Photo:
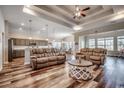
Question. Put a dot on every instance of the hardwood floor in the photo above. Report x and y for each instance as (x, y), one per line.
(17, 75)
(113, 76)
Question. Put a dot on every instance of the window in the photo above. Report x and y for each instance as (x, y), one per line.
(120, 40)
(101, 43)
(91, 43)
(56, 45)
(67, 45)
(109, 43)
(105, 43)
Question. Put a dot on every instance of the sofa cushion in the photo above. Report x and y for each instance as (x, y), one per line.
(34, 51)
(42, 65)
(90, 49)
(42, 55)
(52, 58)
(97, 58)
(40, 51)
(99, 50)
(33, 60)
(48, 50)
(37, 55)
(42, 60)
(46, 54)
(60, 57)
(51, 54)
(90, 53)
(52, 63)
(57, 54)
(83, 49)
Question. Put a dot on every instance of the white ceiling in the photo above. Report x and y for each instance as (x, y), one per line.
(59, 19)
(15, 16)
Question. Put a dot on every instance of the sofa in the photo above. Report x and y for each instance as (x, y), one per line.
(44, 57)
(95, 55)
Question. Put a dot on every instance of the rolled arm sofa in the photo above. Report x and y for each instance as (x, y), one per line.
(95, 55)
(43, 57)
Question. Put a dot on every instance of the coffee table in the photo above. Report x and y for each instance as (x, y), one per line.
(79, 69)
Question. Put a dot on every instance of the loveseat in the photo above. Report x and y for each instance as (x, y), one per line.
(44, 57)
(95, 55)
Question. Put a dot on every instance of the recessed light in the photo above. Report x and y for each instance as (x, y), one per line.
(20, 28)
(47, 39)
(22, 24)
(30, 38)
(53, 40)
(77, 28)
(43, 28)
(28, 5)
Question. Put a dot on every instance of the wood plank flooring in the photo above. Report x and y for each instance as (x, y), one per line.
(17, 75)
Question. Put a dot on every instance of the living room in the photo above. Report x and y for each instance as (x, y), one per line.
(79, 46)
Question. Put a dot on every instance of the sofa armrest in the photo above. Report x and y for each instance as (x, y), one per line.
(33, 62)
(62, 54)
(33, 57)
(78, 53)
(102, 59)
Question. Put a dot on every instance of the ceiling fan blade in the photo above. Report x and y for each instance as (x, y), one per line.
(85, 9)
(83, 14)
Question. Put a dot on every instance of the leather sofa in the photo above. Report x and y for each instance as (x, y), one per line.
(43, 57)
(95, 55)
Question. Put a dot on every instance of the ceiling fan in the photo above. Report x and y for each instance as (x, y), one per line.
(80, 12)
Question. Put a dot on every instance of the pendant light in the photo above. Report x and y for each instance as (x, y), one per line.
(47, 33)
(30, 29)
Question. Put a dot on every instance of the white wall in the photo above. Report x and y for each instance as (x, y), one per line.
(23, 34)
(81, 42)
(1, 43)
(6, 42)
(69, 38)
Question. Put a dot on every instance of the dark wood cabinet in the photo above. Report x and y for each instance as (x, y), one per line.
(18, 53)
(15, 53)
(26, 42)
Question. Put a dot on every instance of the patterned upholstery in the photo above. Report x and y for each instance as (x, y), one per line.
(42, 57)
(95, 55)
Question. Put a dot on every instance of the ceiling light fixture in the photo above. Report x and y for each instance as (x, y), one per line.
(30, 29)
(47, 32)
(22, 24)
(78, 13)
(77, 28)
(43, 29)
(20, 28)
